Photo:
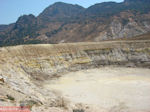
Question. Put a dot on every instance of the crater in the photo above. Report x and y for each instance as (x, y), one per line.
(106, 88)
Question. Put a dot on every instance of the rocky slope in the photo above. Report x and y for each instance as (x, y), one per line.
(25, 69)
(63, 22)
(69, 57)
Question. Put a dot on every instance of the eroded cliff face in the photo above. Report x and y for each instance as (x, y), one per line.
(53, 59)
(120, 27)
(27, 68)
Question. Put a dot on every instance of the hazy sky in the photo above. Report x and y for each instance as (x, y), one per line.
(10, 10)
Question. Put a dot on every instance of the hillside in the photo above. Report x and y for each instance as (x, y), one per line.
(62, 22)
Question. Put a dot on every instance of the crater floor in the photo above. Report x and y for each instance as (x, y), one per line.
(108, 88)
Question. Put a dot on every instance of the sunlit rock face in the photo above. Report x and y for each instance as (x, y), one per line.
(33, 74)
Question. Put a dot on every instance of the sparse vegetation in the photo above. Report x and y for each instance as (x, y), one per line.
(2, 99)
(10, 97)
(60, 102)
(28, 103)
(78, 110)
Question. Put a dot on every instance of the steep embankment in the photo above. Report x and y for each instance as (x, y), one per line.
(60, 58)
(26, 68)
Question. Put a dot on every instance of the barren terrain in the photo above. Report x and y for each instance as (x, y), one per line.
(110, 76)
(106, 88)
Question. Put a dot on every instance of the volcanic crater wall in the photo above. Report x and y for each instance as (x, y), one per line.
(54, 60)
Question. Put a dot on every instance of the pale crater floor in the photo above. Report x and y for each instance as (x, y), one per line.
(106, 87)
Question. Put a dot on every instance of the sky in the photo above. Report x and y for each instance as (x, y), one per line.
(10, 10)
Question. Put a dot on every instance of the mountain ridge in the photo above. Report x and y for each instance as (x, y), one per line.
(62, 22)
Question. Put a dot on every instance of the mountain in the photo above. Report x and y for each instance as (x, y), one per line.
(3, 27)
(60, 11)
(62, 22)
(112, 8)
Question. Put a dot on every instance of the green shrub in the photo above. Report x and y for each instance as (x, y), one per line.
(78, 110)
(10, 98)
